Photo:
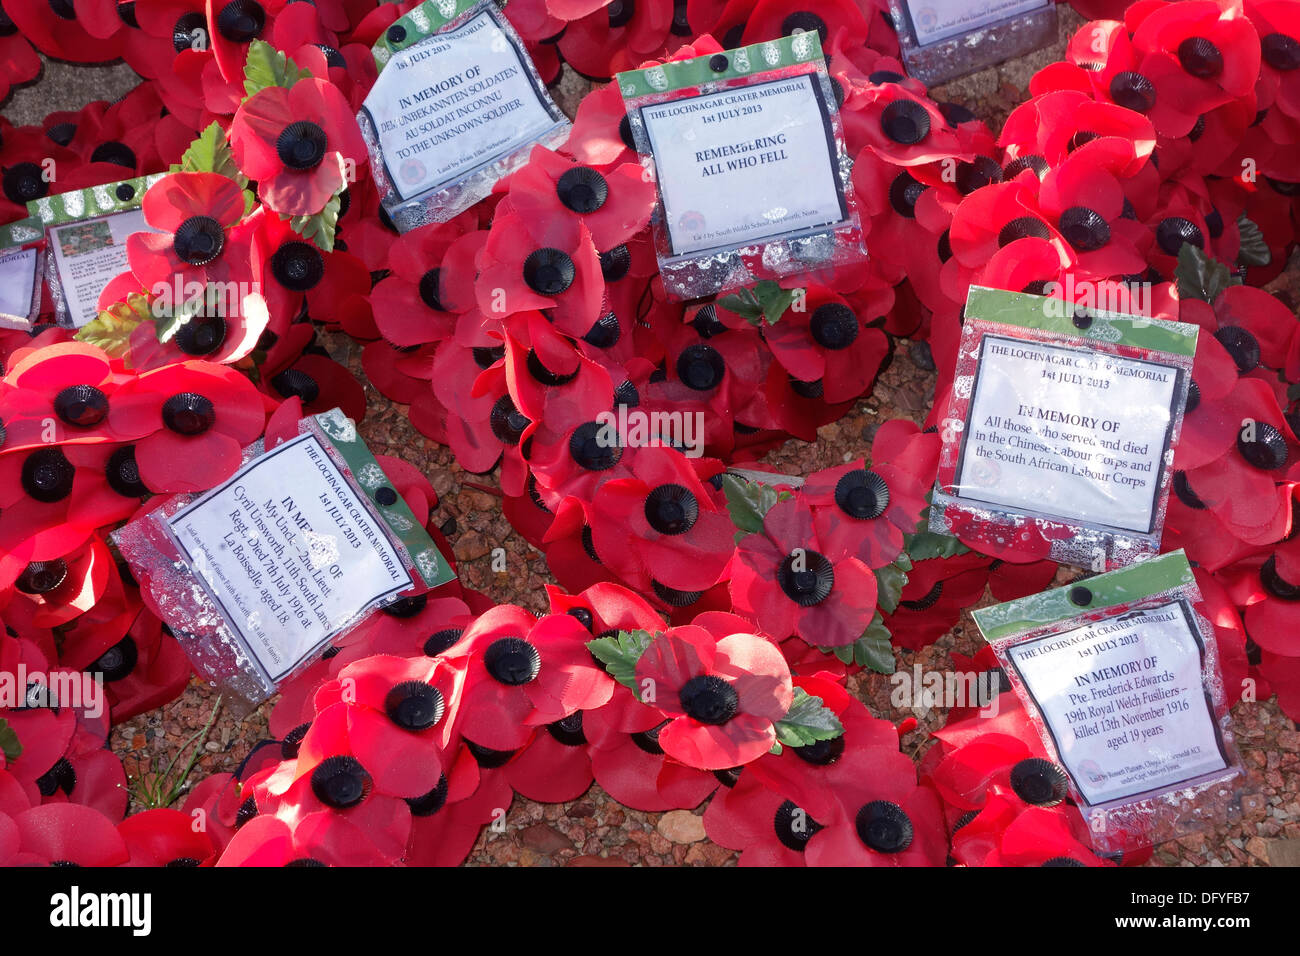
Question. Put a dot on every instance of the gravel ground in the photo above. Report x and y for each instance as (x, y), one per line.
(595, 830)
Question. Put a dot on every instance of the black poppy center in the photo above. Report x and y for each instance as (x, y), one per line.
(82, 406)
(884, 827)
(1241, 345)
(905, 122)
(340, 782)
(42, 577)
(506, 421)
(430, 803)
(701, 367)
(241, 21)
(804, 21)
(414, 705)
(1200, 57)
(806, 577)
(709, 699)
(549, 271)
(123, 473)
(1133, 91)
(862, 494)
(821, 753)
(301, 145)
(620, 13)
(904, 191)
(23, 182)
(568, 730)
(201, 336)
(406, 606)
(671, 509)
(1023, 227)
(441, 641)
(595, 447)
(1262, 446)
(1032, 161)
(47, 475)
(582, 189)
(1275, 584)
(189, 413)
(298, 266)
(199, 240)
(834, 326)
(1084, 228)
(1039, 782)
(793, 826)
(512, 661)
(293, 381)
(63, 9)
(1174, 231)
(1281, 52)
(118, 661)
(615, 263)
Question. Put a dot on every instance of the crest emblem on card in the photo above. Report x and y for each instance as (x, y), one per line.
(371, 475)
(802, 46)
(421, 19)
(427, 562)
(1104, 332)
(447, 8)
(74, 203)
(412, 171)
(962, 385)
(337, 426)
(740, 60)
(771, 53)
(657, 78)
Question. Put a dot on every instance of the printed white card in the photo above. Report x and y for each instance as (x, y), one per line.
(289, 553)
(744, 164)
(18, 271)
(90, 253)
(453, 103)
(1067, 433)
(1124, 701)
(935, 20)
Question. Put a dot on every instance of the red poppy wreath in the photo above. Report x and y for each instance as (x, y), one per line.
(712, 619)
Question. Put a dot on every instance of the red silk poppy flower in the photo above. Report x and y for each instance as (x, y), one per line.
(1086, 204)
(86, 32)
(866, 511)
(882, 818)
(827, 342)
(58, 394)
(790, 583)
(722, 696)
(63, 834)
(523, 672)
(629, 763)
(429, 282)
(320, 838)
(299, 144)
(445, 823)
(552, 195)
(389, 729)
(1054, 125)
(937, 591)
(166, 837)
(601, 135)
(189, 422)
(554, 767)
(195, 242)
(19, 62)
(519, 274)
(684, 539)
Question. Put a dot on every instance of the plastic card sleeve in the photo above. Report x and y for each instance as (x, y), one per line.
(1119, 674)
(85, 242)
(944, 39)
(747, 151)
(1059, 435)
(259, 575)
(458, 106)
